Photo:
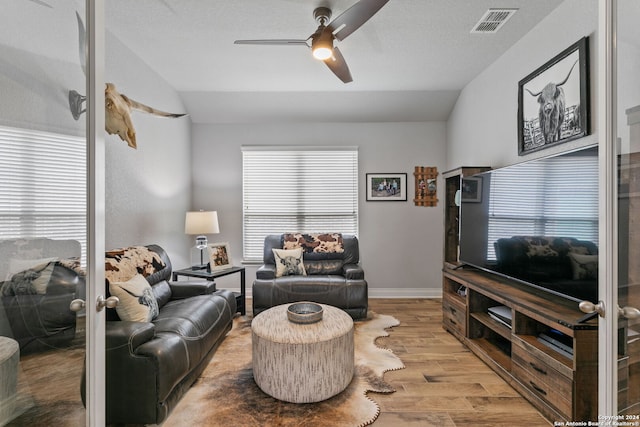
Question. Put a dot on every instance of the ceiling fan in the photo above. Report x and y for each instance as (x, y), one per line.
(322, 40)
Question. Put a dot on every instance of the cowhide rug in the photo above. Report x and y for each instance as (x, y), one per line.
(226, 395)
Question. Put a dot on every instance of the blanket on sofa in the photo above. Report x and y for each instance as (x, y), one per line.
(314, 242)
(121, 265)
(31, 281)
(35, 279)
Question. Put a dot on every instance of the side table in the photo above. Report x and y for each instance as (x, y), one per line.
(212, 275)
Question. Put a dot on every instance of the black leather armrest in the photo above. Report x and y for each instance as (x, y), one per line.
(353, 272)
(120, 333)
(266, 272)
(189, 288)
(63, 281)
(143, 372)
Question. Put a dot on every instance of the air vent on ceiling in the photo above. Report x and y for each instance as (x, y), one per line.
(492, 20)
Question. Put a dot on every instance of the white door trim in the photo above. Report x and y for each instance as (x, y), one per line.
(608, 264)
(95, 381)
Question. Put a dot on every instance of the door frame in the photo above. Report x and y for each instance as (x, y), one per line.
(95, 329)
(608, 260)
(608, 325)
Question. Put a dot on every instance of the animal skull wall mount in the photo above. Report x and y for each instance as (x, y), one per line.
(117, 106)
(117, 110)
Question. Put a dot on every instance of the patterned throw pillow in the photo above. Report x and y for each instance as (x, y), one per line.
(585, 267)
(137, 302)
(122, 264)
(314, 242)
(289, 262)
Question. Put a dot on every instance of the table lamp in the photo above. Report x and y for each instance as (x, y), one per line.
(200, 223)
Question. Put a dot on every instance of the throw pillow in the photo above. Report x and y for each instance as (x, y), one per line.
(17, 265)
(122, 264)
(41, 282)
(585, 267)
(27, 277)
(314, 242)
(137, 302)
(289, 262)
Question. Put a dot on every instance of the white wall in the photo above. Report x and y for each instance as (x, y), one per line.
(400, 243)
(629, 93)
(148, 190)
(482, 129)
(39, 64)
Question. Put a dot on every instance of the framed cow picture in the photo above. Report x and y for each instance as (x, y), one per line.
(553, 101)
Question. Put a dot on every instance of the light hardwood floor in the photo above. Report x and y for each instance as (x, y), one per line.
(443, 384)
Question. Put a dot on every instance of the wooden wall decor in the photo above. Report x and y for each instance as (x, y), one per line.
(426, 186)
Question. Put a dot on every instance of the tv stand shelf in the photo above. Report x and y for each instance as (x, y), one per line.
(546, 354)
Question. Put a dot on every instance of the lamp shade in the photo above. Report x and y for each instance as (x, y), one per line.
(201, 222)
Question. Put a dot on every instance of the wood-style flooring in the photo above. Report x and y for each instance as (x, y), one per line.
(443, 384)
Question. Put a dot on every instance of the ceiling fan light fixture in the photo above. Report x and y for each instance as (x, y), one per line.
(322, 53)
(322, 46)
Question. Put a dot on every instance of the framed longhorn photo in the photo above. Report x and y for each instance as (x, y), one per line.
(553, 101)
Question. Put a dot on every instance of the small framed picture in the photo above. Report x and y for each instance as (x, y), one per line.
(387, 187)
(219, 258)
(472, 189)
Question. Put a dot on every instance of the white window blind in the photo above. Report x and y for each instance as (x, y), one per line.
(42, 185)
(552, 205)
(288, 189)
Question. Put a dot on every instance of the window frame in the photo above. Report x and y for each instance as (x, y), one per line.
(297, 173)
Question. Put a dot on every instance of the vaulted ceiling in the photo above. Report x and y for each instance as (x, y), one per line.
(409, 62)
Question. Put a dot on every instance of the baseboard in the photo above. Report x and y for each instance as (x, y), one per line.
(387, 292)
(404, 293)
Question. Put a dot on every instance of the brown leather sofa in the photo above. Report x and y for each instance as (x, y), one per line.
(333, 278)
(151, 365)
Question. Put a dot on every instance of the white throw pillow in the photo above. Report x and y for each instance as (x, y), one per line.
(289, 262)
(17, 265)
(41, 282)
(137, 301)
(585, 267)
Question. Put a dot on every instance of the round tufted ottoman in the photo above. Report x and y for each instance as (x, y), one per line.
(302, 363)
(9, 359)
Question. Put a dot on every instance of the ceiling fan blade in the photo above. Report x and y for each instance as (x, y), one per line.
(275, 42)
(353, 18)
(339, 66)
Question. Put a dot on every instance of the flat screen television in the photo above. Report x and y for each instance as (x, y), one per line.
(536, 222)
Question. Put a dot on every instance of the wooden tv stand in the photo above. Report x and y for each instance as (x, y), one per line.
(560, 387)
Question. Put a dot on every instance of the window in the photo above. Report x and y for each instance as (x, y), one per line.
(291, 189)
(42, 186)
(552, 203)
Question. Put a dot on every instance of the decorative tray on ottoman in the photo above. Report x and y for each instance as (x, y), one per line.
(304, 312)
